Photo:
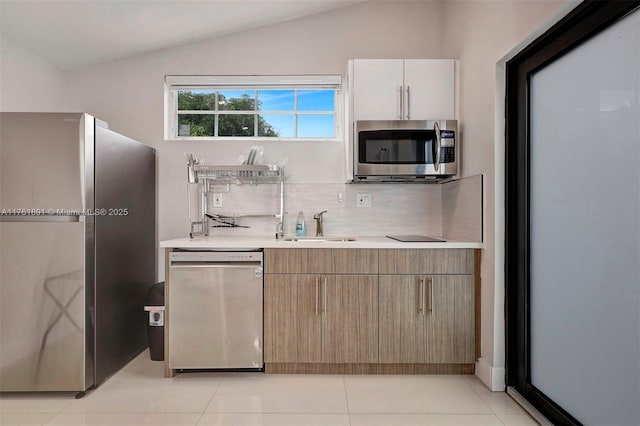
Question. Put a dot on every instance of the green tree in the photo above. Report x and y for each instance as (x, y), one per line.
(228, 124)
(196, 101)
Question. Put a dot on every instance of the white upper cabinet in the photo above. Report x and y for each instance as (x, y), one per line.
(403, 89)
(377, 89)
(429, 89)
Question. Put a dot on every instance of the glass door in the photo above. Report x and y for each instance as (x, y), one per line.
(573, 218)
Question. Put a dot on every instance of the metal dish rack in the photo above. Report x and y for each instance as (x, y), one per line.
(208, 176)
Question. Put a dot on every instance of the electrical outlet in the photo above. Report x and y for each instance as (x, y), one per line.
(363, 199)
(217, 200)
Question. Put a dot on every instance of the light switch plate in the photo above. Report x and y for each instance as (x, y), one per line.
(363, 200)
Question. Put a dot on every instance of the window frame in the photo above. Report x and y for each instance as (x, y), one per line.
(176, 83)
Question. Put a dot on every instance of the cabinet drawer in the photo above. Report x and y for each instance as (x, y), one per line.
(355, 261)
(298, 261)
(426, 261)
(321, 261)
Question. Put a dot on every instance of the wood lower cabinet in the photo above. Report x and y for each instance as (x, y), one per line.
(427, 319)
(321, 318)
(370, 311)
(321, 306)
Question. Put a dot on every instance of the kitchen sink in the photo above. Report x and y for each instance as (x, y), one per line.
(321, 239)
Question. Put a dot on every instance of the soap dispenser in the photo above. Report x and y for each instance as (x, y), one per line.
(301, 228)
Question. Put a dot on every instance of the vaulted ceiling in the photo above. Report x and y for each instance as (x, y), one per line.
(75, 33)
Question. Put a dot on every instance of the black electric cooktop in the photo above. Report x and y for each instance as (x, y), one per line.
(416, 239)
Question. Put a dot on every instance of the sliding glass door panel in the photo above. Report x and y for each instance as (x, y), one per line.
(573, 218)
(585, 227)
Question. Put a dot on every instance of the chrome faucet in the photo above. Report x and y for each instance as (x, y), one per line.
(318, 218)
(279, 230)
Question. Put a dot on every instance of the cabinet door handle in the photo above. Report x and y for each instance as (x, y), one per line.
(400, 102)
(421, 297)
(317, 293)
(324, 289)
(408, 101)
(430, 295)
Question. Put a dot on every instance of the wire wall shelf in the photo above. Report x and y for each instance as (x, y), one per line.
(204, 180)
(251, 174)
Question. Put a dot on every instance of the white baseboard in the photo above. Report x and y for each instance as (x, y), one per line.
(492, 377)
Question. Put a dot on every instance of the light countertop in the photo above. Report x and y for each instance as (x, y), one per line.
(246, 242)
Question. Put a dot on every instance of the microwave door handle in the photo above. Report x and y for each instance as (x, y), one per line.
(436, 147)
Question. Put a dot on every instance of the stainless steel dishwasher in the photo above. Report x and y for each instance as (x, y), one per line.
(215, 309)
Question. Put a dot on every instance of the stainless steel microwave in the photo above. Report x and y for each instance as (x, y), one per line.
(405, 150)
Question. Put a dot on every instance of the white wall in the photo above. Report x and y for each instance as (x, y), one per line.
(128, 93)
(28, 82)
(479, 33)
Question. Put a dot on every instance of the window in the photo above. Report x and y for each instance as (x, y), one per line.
(272, 107)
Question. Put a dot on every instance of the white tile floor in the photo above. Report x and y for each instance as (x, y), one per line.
(139, 395)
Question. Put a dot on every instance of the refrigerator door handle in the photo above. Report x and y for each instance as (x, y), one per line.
(41, 218)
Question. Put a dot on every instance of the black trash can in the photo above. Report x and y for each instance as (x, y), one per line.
(154, 304)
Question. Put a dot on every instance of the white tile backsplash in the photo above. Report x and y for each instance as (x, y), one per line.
(396, 208)
(462, 209)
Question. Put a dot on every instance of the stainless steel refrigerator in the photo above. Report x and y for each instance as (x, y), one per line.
(77, 250)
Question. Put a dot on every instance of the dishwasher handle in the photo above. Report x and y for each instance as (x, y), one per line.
(216, 256)
(230, 265)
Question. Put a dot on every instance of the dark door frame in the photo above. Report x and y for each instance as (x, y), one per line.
(585, 21)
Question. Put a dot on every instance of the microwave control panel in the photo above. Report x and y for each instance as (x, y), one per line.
(448, 146)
